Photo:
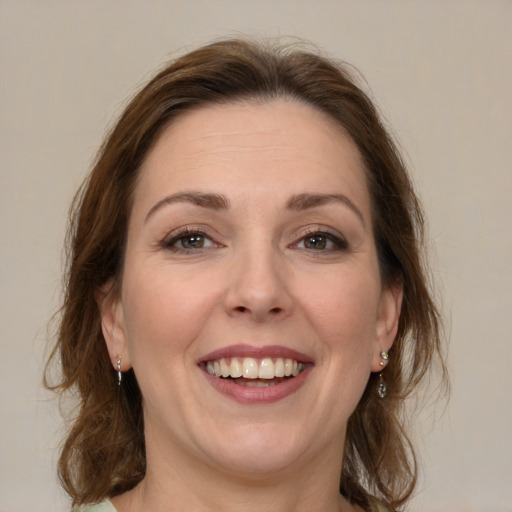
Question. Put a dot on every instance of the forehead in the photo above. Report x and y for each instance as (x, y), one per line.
(280, 145)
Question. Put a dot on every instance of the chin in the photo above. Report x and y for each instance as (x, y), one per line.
(259, 451)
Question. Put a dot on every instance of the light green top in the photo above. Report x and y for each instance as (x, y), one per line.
(377, 507)
(106, 506)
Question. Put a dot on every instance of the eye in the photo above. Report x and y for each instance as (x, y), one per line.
(188, 241)
(322, 241)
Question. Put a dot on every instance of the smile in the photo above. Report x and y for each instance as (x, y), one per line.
(252, 372)
(256, 375)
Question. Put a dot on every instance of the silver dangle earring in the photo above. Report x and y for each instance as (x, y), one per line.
(382, 386)
(119, 375)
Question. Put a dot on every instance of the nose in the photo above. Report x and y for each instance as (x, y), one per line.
(258, 286)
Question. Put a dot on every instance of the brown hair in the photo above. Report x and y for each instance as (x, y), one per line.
(104, 453)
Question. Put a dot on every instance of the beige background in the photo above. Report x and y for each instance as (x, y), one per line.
(441, 73)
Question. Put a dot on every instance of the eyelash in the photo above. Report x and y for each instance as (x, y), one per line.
(339, 243)
(169, 242)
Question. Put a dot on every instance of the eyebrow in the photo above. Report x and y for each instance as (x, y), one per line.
(299, 202)
(302, 202)
(212, 201)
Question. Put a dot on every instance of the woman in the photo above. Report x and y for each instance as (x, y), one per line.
(245, 308)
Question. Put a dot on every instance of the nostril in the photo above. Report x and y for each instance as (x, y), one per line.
(243, 309)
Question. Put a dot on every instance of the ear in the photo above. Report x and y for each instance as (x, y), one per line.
(387, 323)
(112, 324)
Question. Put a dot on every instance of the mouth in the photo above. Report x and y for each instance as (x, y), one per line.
(253, 372)
(253, 375)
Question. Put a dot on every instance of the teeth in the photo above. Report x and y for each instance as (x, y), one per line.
(266, 370)
(279, 367)
(236, 368)
(288, 367)
(256, 383)
(250, 368)
(225, 370)
(295, 369)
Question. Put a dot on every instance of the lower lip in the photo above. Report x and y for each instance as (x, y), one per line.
(258, 395)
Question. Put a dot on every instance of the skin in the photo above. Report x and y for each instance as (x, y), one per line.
(255, 277)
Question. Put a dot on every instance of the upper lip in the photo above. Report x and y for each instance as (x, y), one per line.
(243, 350)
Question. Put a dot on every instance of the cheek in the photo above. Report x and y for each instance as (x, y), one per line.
(164, 312)
(343, 310)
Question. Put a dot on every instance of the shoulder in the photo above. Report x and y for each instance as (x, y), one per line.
(105, 506)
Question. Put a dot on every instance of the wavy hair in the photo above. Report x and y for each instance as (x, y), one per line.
(104, 454)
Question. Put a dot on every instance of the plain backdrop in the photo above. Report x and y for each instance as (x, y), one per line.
(440, 71)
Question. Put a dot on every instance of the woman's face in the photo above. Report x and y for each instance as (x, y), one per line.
(250, 255)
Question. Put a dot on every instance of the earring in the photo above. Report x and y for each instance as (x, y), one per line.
(119, 375)
(385, 357)
(382, 387)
